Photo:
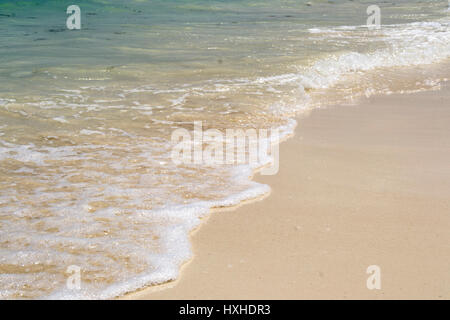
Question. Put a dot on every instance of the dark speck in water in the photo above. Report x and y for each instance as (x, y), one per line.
(56, 30)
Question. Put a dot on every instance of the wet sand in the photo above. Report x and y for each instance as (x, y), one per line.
(359, 185)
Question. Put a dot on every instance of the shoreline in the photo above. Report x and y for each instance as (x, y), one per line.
(358, 200)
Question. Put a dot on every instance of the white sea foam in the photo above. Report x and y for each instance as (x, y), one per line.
(90, 132)
(60, 119)
(413, 44)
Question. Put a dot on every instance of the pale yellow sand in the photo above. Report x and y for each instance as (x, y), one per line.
(358, 186)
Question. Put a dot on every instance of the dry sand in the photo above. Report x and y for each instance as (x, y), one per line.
(360, 185)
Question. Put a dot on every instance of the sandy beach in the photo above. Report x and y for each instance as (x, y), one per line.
(131, 132)
(359, 185)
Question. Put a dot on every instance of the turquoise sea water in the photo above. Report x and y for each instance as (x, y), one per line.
(86, 117)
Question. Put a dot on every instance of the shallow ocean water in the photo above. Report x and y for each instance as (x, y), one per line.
(86, 117)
